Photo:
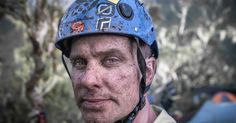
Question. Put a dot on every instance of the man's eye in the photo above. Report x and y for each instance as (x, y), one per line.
(78, 63)
(111, 61)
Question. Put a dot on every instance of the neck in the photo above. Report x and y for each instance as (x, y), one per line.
(146, 115)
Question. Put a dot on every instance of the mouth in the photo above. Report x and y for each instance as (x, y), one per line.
(94, 104)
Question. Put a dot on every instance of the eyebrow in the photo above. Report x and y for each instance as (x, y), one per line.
(112, 51)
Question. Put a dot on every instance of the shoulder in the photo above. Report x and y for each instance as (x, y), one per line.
(162, 115)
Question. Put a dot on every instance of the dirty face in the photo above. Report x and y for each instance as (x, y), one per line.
(105, 77)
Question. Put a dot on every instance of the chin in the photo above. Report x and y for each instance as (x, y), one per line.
(97, 118)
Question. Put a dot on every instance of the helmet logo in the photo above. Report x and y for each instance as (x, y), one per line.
(105, 10)
(114, 1)
(103, 23)
(77, 26)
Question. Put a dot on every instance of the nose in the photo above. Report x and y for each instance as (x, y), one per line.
(90, 78)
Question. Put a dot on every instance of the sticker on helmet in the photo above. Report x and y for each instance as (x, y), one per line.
(114, 1)
(77, 26)
(105, 9)
(103, 23)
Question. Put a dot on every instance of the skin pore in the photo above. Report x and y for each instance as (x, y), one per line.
(105, 78)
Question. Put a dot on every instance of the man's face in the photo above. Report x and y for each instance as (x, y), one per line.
(105, 77)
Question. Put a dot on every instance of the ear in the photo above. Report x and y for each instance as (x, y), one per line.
(151, 65)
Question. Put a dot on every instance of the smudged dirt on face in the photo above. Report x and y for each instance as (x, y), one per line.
(106, 88)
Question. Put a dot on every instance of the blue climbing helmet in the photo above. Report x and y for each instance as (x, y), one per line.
(121, 17)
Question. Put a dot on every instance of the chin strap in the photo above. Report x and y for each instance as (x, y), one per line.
(64, 63)
(143, 89)
(133, 114)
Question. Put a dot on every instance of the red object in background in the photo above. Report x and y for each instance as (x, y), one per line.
(224, 97)
(41, 118)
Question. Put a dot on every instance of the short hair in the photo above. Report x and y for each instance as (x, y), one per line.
(145, 49)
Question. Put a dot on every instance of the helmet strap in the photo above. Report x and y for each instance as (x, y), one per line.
(65, 65)
(142, 88)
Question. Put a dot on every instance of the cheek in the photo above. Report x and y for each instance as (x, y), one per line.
(74, 78)
(124, 87)
(75, 81)
(123, 81)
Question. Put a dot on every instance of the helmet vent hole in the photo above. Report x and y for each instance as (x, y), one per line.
(125, 11)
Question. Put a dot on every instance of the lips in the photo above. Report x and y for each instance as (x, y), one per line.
(94, 103)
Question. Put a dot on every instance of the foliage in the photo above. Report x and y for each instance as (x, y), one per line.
(197, 41)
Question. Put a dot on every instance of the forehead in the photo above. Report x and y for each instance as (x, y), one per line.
(99, 43)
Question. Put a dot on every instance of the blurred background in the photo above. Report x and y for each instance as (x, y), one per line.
(197, 41)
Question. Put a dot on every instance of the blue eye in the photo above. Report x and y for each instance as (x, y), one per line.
(110, 61)
(79, 63)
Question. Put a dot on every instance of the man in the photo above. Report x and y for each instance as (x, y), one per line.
(111, 48)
